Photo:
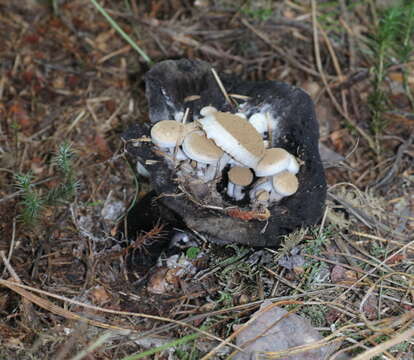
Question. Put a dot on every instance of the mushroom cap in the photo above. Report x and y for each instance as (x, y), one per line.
(240, 175)
(242, 115)
(201, 149)
(259, 121)
(274, 161)
(167, 133)
(207, 110)
(190, 127)
(235, 136)
(285, 183)
(262, 195)
(293, 166)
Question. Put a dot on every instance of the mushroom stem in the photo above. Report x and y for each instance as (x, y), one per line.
(211, 172)
(235, 191)
(230, 189)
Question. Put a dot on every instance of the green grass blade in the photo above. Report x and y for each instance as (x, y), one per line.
(126, 37)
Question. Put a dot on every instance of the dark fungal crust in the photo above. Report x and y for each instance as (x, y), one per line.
(168, 84)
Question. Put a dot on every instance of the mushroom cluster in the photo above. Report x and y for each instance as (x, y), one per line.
(219, 143)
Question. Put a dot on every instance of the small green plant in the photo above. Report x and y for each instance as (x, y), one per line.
(316, 314)
(391, 44)
(192, 252)
(257, 11)
(66, 190)
(33, 202)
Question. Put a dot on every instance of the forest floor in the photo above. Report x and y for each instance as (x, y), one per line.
(70, 84)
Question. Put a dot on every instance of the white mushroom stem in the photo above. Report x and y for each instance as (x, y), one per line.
(275, 196)
(235, 191)
(211, 172)
(179, 156)
(224, 160)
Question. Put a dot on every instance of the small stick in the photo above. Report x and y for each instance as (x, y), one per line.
(221, 86)
(241, 97)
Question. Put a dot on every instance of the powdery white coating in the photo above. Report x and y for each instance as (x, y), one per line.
(207, 110)
(260, 122)
(166, 133)
(201, 149)
(285, 183)
(235, 136)
(274, 161)
(293, 166)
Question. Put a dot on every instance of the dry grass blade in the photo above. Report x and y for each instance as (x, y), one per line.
(18, 288)
(363, 133)
(47, 305)
(381, 348)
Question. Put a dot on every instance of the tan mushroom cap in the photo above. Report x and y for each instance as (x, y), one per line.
(167, 133)
(274, 161)
(235, 136)
(240, 176)
(190, 127)
(285, 183)
(262, 195)
(198, 147)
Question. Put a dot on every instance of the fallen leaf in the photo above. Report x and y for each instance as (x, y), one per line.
(339, 275)
(99, 295)
(274, 329)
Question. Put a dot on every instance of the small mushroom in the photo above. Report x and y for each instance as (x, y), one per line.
(207, 110)
(261, 186)
(167, 135)
(204, 151)
(275, 160)
(262, 196)
(284, 184)
(274, 188)
(238, 178)
(235, 136)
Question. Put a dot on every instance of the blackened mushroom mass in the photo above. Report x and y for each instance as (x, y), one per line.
(248, 172)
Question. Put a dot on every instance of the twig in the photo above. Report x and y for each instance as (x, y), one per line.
(221, 86)
(282, 54)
